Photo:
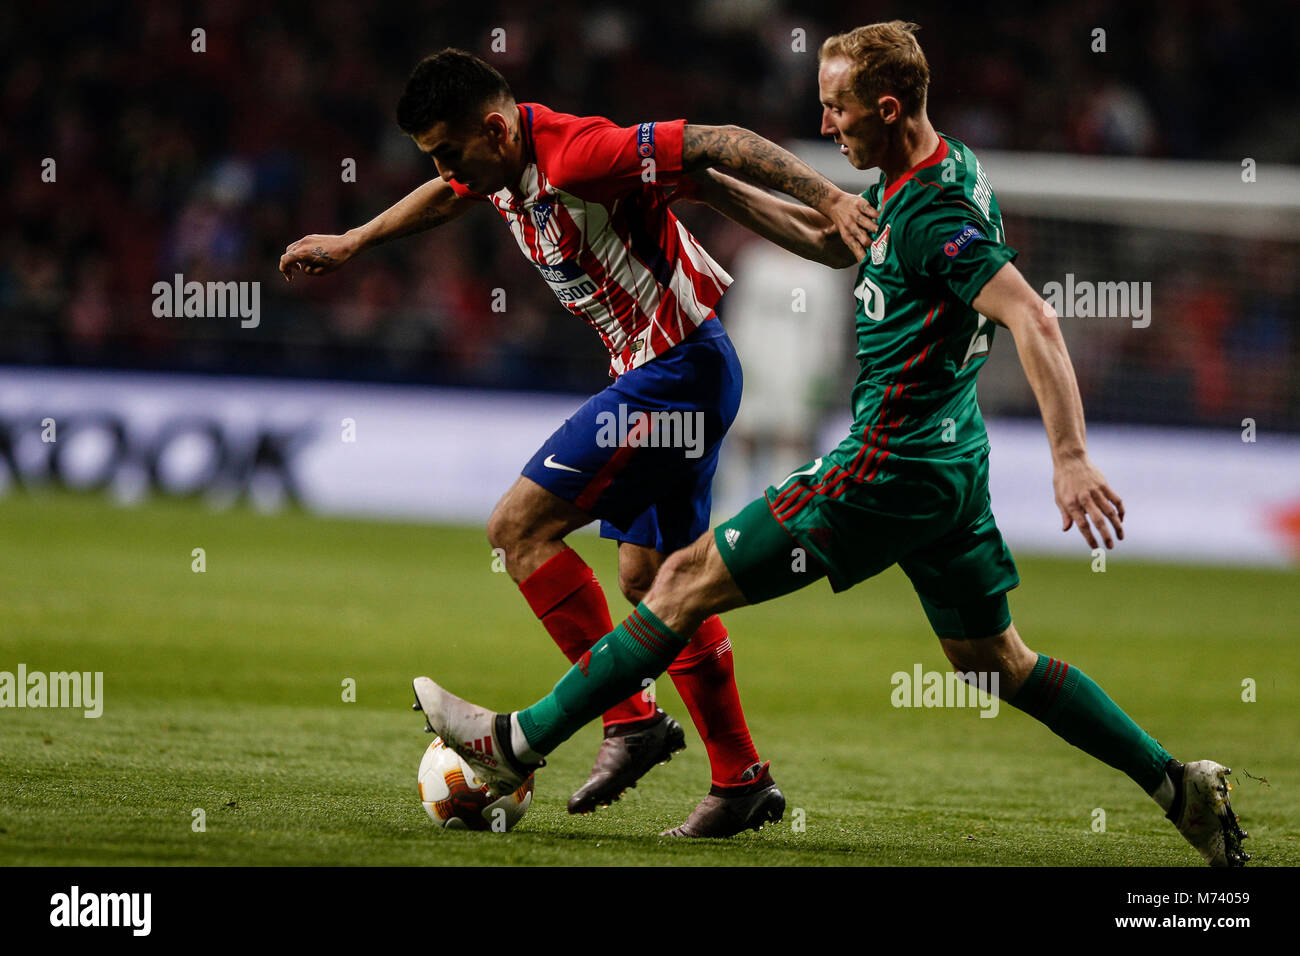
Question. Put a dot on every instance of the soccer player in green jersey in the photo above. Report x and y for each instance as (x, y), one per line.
(909, 485)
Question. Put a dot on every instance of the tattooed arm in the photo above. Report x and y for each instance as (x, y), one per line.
(793, 227)
(766, 163)
(430, 205)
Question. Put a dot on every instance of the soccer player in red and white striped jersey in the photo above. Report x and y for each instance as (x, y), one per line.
(587, 201)
(591, 213)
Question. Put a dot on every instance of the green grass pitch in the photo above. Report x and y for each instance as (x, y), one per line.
(223, 691)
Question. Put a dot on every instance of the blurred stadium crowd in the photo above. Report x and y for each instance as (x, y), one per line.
(209, 164)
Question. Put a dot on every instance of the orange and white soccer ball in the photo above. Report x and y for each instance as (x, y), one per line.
(457, 799)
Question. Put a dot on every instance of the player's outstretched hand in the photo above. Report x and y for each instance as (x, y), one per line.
(1083, 496)
(855, 218)
(316, 255)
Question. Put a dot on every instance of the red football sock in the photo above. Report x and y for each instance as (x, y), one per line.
(705, 677)
(570, 603)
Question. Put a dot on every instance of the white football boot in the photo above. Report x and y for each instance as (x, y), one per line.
(480, 736)
(1204, 816)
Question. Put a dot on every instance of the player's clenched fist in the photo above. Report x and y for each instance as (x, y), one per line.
(316, 255)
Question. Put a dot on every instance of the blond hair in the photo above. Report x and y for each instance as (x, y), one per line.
(885, 58)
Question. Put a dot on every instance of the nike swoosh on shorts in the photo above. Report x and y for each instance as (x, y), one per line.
(550, 462)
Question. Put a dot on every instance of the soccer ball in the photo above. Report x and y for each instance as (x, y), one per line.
(456, 799)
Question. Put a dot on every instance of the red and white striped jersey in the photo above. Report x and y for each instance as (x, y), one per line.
(591, 213)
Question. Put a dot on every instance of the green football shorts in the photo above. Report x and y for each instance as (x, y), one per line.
(932, 517)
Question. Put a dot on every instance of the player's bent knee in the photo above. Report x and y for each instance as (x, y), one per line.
(634, 586)
(969, 656)
(507, 524)
(507, 533)
(502, 529)
(637, 568)
(676, 576)
(1003, 652)
(696, 582)
(521, 543)
(527, 517)
(680, 579)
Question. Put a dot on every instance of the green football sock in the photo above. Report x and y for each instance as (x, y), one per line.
(641, 647)
(1070, 703)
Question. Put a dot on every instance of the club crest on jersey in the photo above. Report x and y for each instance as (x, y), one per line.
(879, 247)
(957, 243)
(645, 139)
(542, 214)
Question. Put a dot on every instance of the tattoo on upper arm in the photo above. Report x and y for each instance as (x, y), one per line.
(433, 215)
(438, 210)
(748, 153)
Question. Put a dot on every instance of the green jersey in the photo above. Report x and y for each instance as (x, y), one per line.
(920, 343)
(909, 486)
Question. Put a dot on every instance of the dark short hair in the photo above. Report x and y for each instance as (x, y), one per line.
(448, 86)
